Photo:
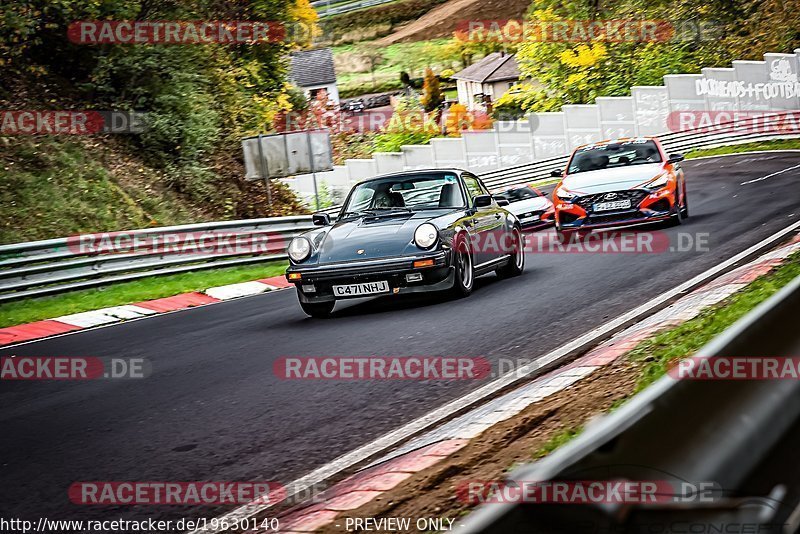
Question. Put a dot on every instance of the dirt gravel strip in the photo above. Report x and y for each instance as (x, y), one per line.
(414, 480)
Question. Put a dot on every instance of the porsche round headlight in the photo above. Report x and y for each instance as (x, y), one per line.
(425, 235)
(299, 249)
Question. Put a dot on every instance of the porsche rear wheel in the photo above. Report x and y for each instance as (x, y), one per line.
(516, 263)
(319, 310)
(464, 269)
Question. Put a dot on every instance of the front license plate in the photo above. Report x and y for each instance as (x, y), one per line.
(530, 216)
(615, 205)
(358, 290)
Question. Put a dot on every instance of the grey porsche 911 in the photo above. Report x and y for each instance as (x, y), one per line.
(408, 232)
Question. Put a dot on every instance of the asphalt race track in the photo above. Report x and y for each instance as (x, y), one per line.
(213, 410)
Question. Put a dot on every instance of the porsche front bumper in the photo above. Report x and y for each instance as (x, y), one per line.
(317, 281)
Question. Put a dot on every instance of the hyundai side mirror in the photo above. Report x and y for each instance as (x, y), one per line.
(556, 173)
(321, 219)
(482, 201)
(675, 158)
(501, 200)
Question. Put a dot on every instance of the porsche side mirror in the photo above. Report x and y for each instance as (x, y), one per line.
(321, 219)
(556, 173)
(482, 201)
(675, 158)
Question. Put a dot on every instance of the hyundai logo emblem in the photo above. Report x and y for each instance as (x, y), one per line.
(610, 196)
(360, 251)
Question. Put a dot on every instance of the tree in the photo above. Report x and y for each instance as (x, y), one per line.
(303, 14)
(432, 96)
(372, 55)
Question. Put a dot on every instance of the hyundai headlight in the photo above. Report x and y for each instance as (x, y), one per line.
(659, 181)
(565, 195)
(425, 235)
(299, 249)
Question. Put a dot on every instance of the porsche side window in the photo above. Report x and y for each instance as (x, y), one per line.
(362, 198)
(473, 186)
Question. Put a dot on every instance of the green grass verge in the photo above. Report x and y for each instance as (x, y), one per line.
(29, 310)
(779, 144)
(658, 353)
(557, 441)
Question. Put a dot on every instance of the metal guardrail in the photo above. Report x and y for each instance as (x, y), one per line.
(324, 11)
(54, 265)
(725, 432)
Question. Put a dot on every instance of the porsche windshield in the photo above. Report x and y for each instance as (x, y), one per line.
(612, 155)
(406, 192)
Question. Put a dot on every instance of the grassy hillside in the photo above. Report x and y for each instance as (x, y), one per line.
(198, 100)
(59, 186)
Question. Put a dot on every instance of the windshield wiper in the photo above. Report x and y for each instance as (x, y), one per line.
(389, 208)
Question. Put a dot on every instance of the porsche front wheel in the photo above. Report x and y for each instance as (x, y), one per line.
(464, 269)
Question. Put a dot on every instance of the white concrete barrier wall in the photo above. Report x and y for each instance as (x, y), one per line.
(616, 116)
(784, 69)
(650, 109)
(361, 169)
(388, 162)
(417, 157)
(549, 138)
(756, 88)
(581, 124)
(514, 142)
(772, 84)
(481, 151)
(717, 86)
(449, 152)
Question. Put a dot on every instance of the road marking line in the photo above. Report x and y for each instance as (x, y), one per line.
(470, 400)
(770, 175)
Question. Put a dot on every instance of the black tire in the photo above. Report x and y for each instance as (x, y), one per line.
(677, 218)
(685, 206)
(464, 269)
(319, 310)
(516, 263)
